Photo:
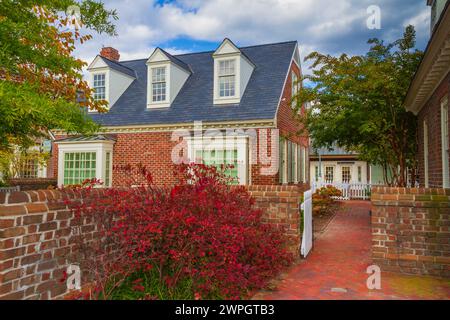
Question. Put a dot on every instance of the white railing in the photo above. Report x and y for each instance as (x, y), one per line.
(349, 190)
(307, 237)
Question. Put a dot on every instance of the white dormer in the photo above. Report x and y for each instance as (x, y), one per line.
(166, 76)
(232, 71)
(109, 79)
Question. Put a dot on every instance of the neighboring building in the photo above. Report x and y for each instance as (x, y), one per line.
(428, 97)
(340, 166)
(154, 101)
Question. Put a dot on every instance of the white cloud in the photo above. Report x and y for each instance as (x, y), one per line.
(421, 22)
(329, 26)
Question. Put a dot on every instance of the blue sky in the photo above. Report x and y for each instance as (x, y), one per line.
(329, 26)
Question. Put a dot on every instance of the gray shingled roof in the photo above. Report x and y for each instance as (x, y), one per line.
(194, 102)
(177, 61)
(119, 67)
(98, 137)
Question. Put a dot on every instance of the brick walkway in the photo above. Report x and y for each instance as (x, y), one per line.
(336, 268)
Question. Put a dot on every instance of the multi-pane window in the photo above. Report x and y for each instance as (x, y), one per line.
(79, 166)
(359, 174)
(29, 168)
(227, 78)
(294, 88)
(99, 86)
(433, 14)
(300, 163)
(282, 160)
(445, 143)
(346, 175)
(425, 152)
(108, 169)
(329, 174)
(219, 158)
(317, 173)
(290, 174)
(159, 84)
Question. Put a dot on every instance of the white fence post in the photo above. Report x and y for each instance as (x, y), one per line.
(307, 237)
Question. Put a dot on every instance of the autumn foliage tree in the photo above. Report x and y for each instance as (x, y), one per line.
(40, 80)
(359, 104)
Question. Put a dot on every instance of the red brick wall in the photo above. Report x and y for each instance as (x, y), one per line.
(154, 150)
(37, 236)
(411, 230)
(33, 184)
(289, 127)
(431, 112)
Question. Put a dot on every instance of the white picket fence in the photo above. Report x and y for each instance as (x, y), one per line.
(307, 237)
(349, 190)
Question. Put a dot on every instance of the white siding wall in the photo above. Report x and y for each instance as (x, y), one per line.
(338, 170)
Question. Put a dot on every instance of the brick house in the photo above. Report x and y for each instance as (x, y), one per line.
(232, 105)
(428, 98)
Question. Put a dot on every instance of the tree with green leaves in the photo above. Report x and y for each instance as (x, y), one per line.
(358, 104)
(40, 79)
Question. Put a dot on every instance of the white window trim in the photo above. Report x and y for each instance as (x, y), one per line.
(106, 72)
(42, 168)
(284, 167)
(158, 104)
(444, 143)
(100, 148)
(223, 143)
(296, 159)
(335, 173)
(295, 88)
(237, 71)
(425, 153)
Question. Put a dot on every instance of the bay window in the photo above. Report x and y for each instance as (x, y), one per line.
(79, 160)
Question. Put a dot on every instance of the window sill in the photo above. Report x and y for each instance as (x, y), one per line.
(227, 100)
(158, 105)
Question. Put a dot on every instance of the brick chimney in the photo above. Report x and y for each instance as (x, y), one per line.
(110, 53)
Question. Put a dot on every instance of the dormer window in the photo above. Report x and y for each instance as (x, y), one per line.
(227, 78)
(158, 84)
(232, 72)
(166, 75)
(99, 86)
(109, 78)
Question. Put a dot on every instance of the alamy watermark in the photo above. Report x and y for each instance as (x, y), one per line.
(74, 17)
(73, 281)
(374, 280)
(252, 146)
(374, 19)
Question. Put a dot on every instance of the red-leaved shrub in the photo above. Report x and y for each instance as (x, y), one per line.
(201, 229)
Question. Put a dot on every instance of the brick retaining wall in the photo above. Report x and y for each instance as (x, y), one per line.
(33, 183)
(411, 230)
(36, 236)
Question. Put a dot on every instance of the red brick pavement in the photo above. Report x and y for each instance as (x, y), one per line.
(336, 268)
